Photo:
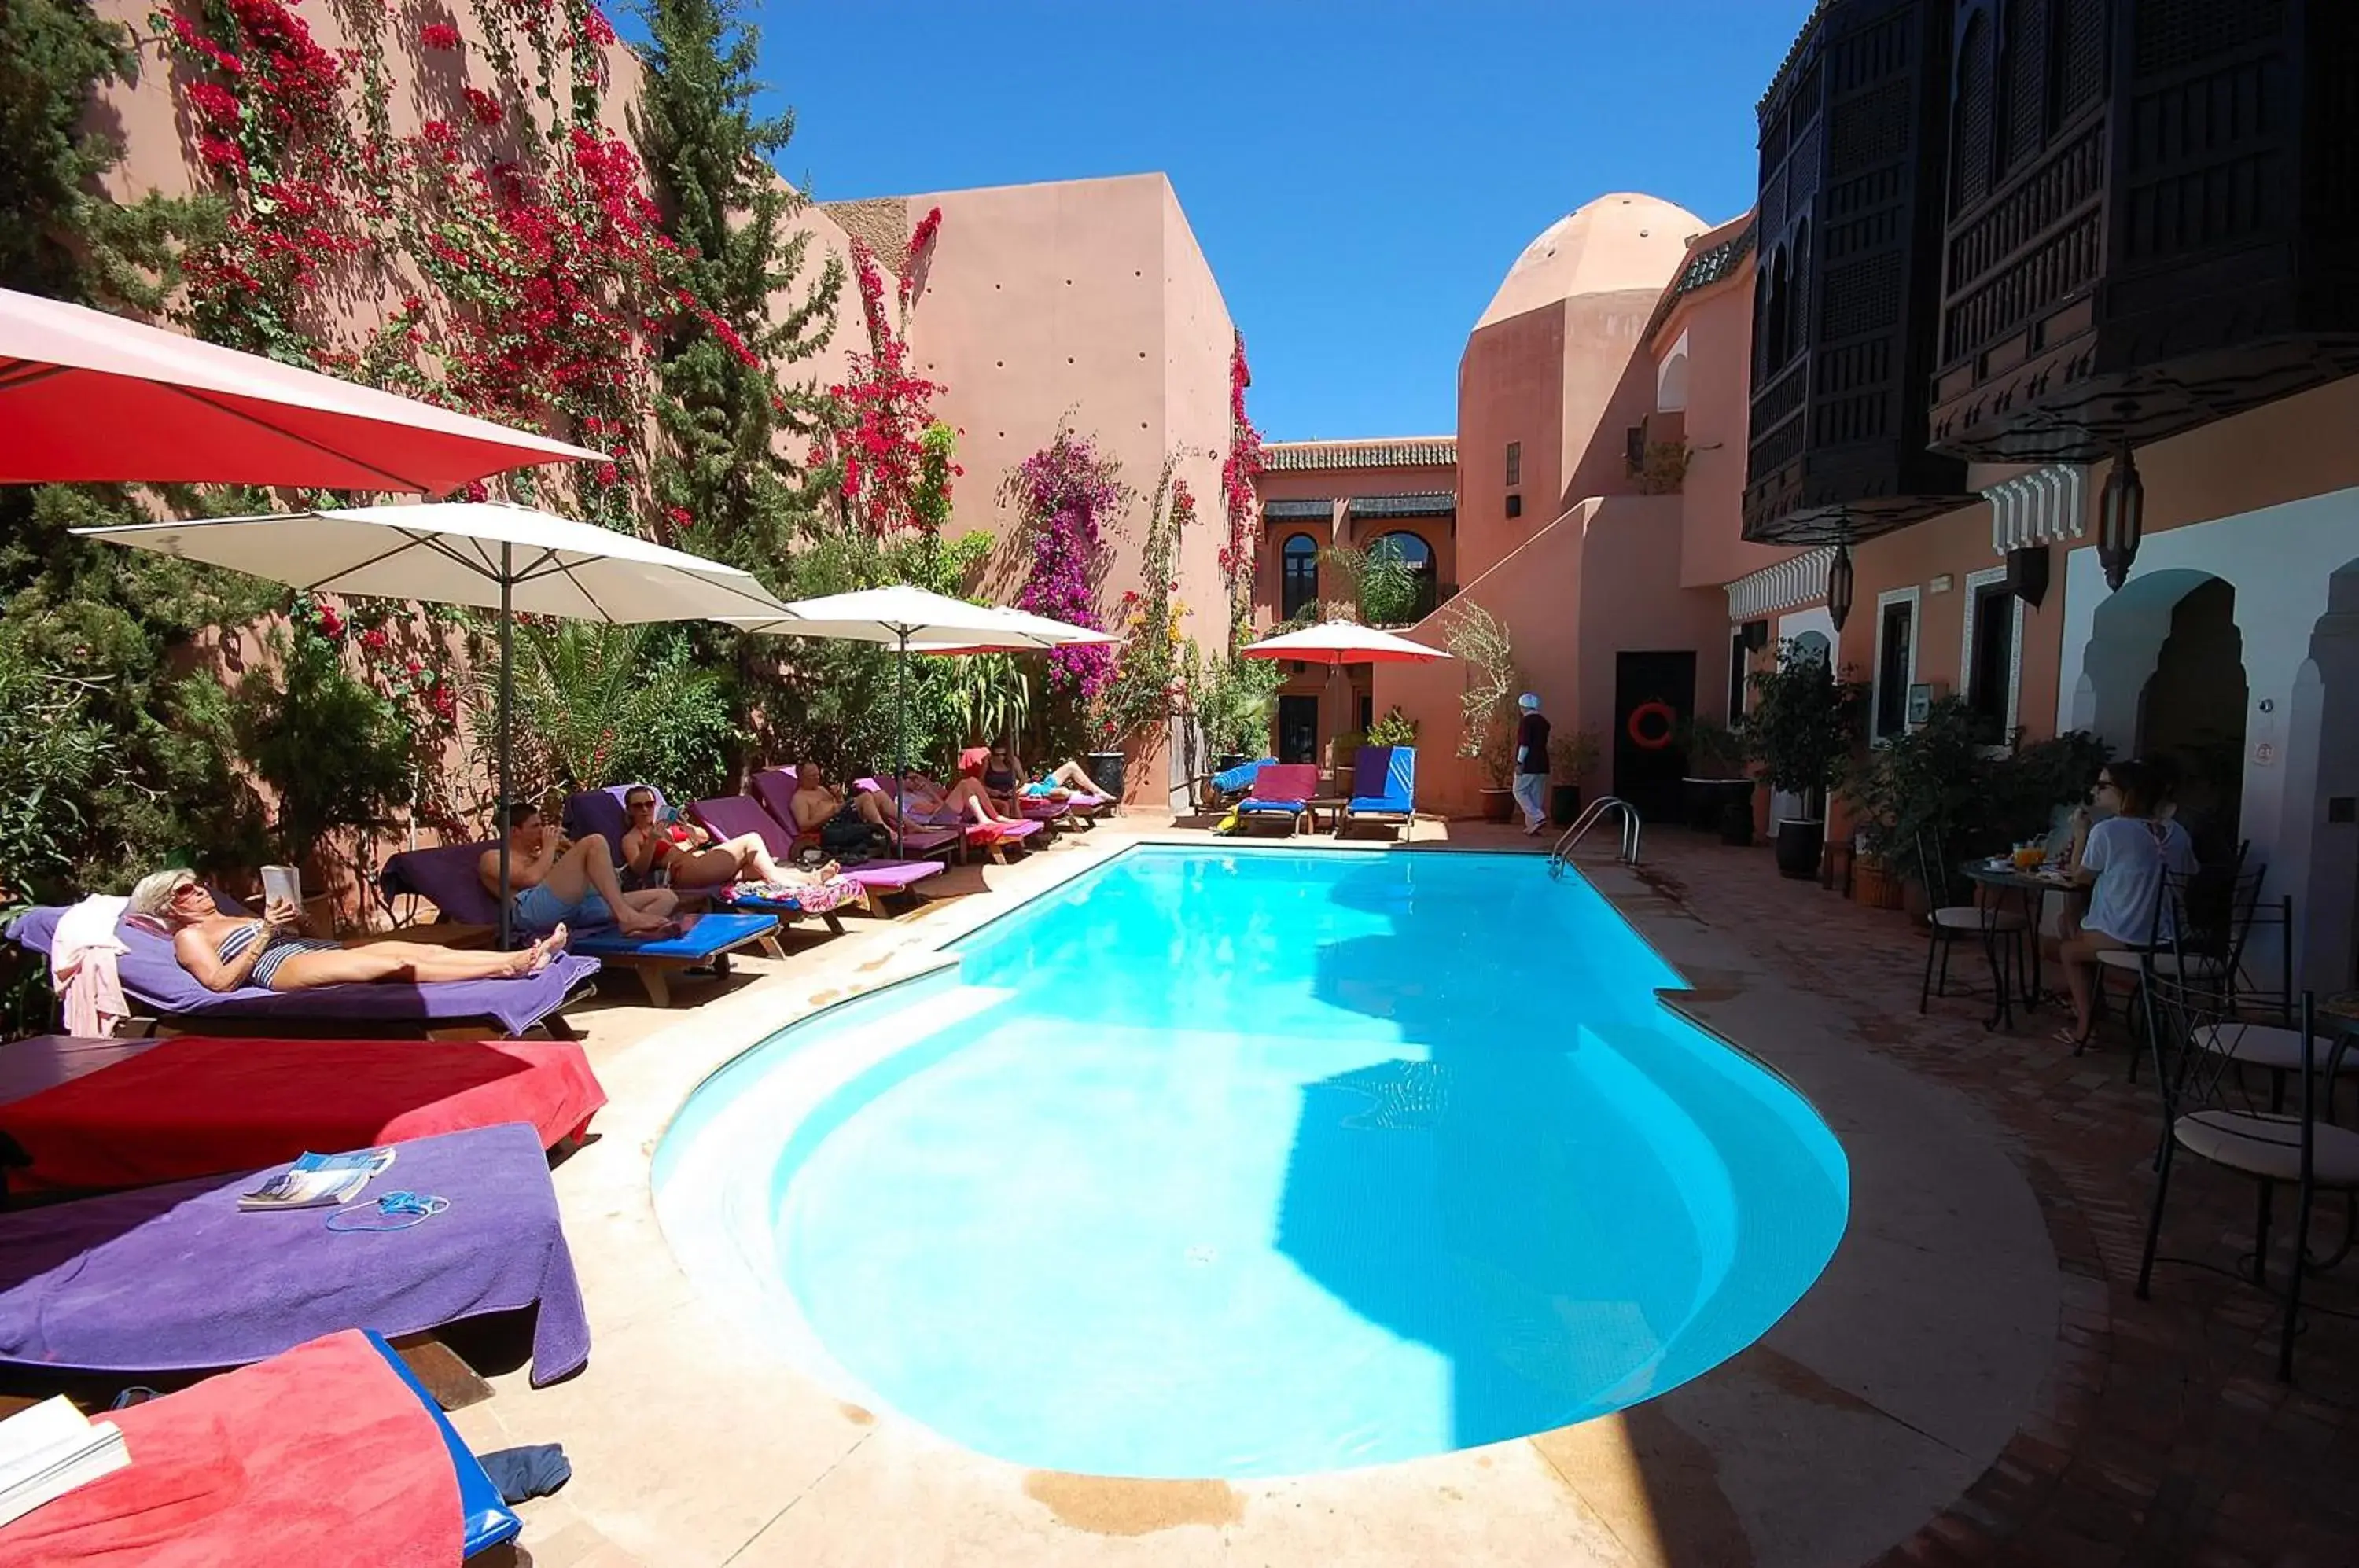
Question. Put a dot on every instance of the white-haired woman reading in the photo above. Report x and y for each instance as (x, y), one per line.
(225, 952)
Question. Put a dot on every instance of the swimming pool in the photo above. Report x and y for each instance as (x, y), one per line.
(1242, 1163)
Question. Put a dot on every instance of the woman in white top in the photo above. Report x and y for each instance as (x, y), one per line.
(2120, 861)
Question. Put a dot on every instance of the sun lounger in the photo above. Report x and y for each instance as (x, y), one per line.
(1387, 776)
(170, 996)
(92, 1115)
(730, 815)
(774, 789)
(1210, 792)
(992, 838)
(176, 1278)
(332, 1452)
(1281, 790)
(695, 941)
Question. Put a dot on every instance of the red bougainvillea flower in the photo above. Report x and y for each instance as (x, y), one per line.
(596, 28)
(486, 108)
(439, 35)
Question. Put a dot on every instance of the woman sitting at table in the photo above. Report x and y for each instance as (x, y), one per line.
(2120, 861)
(225, 952)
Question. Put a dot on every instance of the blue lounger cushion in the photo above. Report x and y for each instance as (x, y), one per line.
(1283, 808)
(698, 937)
(1378, 806)
(486, 1519)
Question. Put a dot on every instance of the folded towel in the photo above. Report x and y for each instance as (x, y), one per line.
(82, 969)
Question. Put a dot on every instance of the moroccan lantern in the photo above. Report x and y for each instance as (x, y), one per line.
(2121, 518)
(1838, 585)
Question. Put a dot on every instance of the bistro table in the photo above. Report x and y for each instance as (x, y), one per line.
(2031, 886)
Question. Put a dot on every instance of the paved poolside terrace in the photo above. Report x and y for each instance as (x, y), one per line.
(1971, 1381)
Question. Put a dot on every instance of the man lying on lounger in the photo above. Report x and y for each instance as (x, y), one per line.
(556, 881)
(225, 952)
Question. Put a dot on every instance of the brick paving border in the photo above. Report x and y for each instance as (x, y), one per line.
(2159, 1434)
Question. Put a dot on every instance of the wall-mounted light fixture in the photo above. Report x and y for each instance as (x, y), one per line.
(1839, 586)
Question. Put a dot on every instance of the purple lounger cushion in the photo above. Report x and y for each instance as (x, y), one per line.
(445, 877)
(153, 979)
(601, 811)
(891, 876)
(735, 816)
(175, 1278)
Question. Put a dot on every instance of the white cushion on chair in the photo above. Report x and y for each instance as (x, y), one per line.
(1965, 916)
(2131, 959)
(2202, 966)
(2267, 1046)
(2270, 1146)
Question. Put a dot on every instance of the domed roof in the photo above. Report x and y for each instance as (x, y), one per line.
(1618, 242)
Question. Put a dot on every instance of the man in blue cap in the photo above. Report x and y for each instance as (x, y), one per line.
(1532, 764)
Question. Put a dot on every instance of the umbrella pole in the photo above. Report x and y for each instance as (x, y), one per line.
(507, 683)
(900, 748)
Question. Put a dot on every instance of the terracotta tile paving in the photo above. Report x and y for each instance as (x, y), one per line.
(2161, 1435)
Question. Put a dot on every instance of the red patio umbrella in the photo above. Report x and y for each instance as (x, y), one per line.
(1338, 642)
(87, 396)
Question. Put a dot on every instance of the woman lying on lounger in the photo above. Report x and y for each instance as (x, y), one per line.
(225, 952)
(680, 853)
(966, 800)
(1005, 774)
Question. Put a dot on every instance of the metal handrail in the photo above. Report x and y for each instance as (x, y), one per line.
(1562, 856)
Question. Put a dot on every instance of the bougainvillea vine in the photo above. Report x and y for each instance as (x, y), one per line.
(1240, 465)
(1068, 494)
(879, 452)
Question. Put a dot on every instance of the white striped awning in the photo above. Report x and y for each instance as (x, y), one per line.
(2047, 505)
(1799, 580)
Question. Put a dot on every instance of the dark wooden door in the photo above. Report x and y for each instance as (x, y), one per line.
(1298, 729)
(1651, 779)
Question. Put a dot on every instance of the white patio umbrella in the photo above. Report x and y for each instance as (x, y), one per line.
(914, 620)
(483, 554)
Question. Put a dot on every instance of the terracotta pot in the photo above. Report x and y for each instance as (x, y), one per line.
(1872, 885)
(1498, 805)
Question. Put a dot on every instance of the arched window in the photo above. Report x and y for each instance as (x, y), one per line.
(1300, 589)
(1418, 556)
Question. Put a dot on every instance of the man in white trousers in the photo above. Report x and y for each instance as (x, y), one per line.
(1532, 764)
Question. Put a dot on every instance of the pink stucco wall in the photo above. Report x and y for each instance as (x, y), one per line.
(1715, 328)
(1439, 534)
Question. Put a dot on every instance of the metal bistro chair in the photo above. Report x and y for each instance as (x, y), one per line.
(2201, 925)
(2208, 1112)
(2000, 931)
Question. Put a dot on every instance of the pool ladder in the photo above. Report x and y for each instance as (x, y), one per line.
(1562, 856)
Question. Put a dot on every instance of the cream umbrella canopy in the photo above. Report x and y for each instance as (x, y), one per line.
(916, 620)
(484, 554)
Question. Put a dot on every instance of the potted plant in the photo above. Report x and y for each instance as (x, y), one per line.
(1937, 787)
(1486, 703)
(1232, 705)
(1804, 722)
(1718, 792)
(1571, 758)
(1392, 728)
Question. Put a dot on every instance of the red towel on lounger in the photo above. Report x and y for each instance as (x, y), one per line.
(195, 1105)
(318, 1456)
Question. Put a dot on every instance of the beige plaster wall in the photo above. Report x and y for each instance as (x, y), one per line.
(1717, 325)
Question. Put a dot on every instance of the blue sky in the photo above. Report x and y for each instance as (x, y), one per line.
(1360, 175)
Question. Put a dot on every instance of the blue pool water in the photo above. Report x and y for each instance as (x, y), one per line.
(1256, 1162)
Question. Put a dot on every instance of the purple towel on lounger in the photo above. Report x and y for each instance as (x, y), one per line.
(153, 979)
(175, 1277)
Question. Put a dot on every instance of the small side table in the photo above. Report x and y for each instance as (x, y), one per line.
(1331, 804)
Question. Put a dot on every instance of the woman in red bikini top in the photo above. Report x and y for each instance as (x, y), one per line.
(681, 855)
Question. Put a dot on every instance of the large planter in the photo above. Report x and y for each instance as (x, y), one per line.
(1109, 769)
(1874, 884)
(1227, 760)
(1800, 842)
(1498, 804)
(1564, 804)
(1700, 802)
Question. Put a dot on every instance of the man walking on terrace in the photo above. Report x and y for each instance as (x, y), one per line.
(1532, 764)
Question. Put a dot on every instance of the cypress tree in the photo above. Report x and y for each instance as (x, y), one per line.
(724, 414)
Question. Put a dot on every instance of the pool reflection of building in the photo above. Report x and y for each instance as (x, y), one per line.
(1994, 248)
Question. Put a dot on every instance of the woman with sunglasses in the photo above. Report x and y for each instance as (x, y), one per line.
(2120, 860)
(681, 854)
(225, 952)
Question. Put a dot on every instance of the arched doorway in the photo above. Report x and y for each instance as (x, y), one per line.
(1299, 585)
(2191, 713)
(2326, 695)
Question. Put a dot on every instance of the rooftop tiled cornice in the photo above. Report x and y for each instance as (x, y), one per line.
(1420, 504)
(1793, 52)
(1703, 269)
(1400, 452)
